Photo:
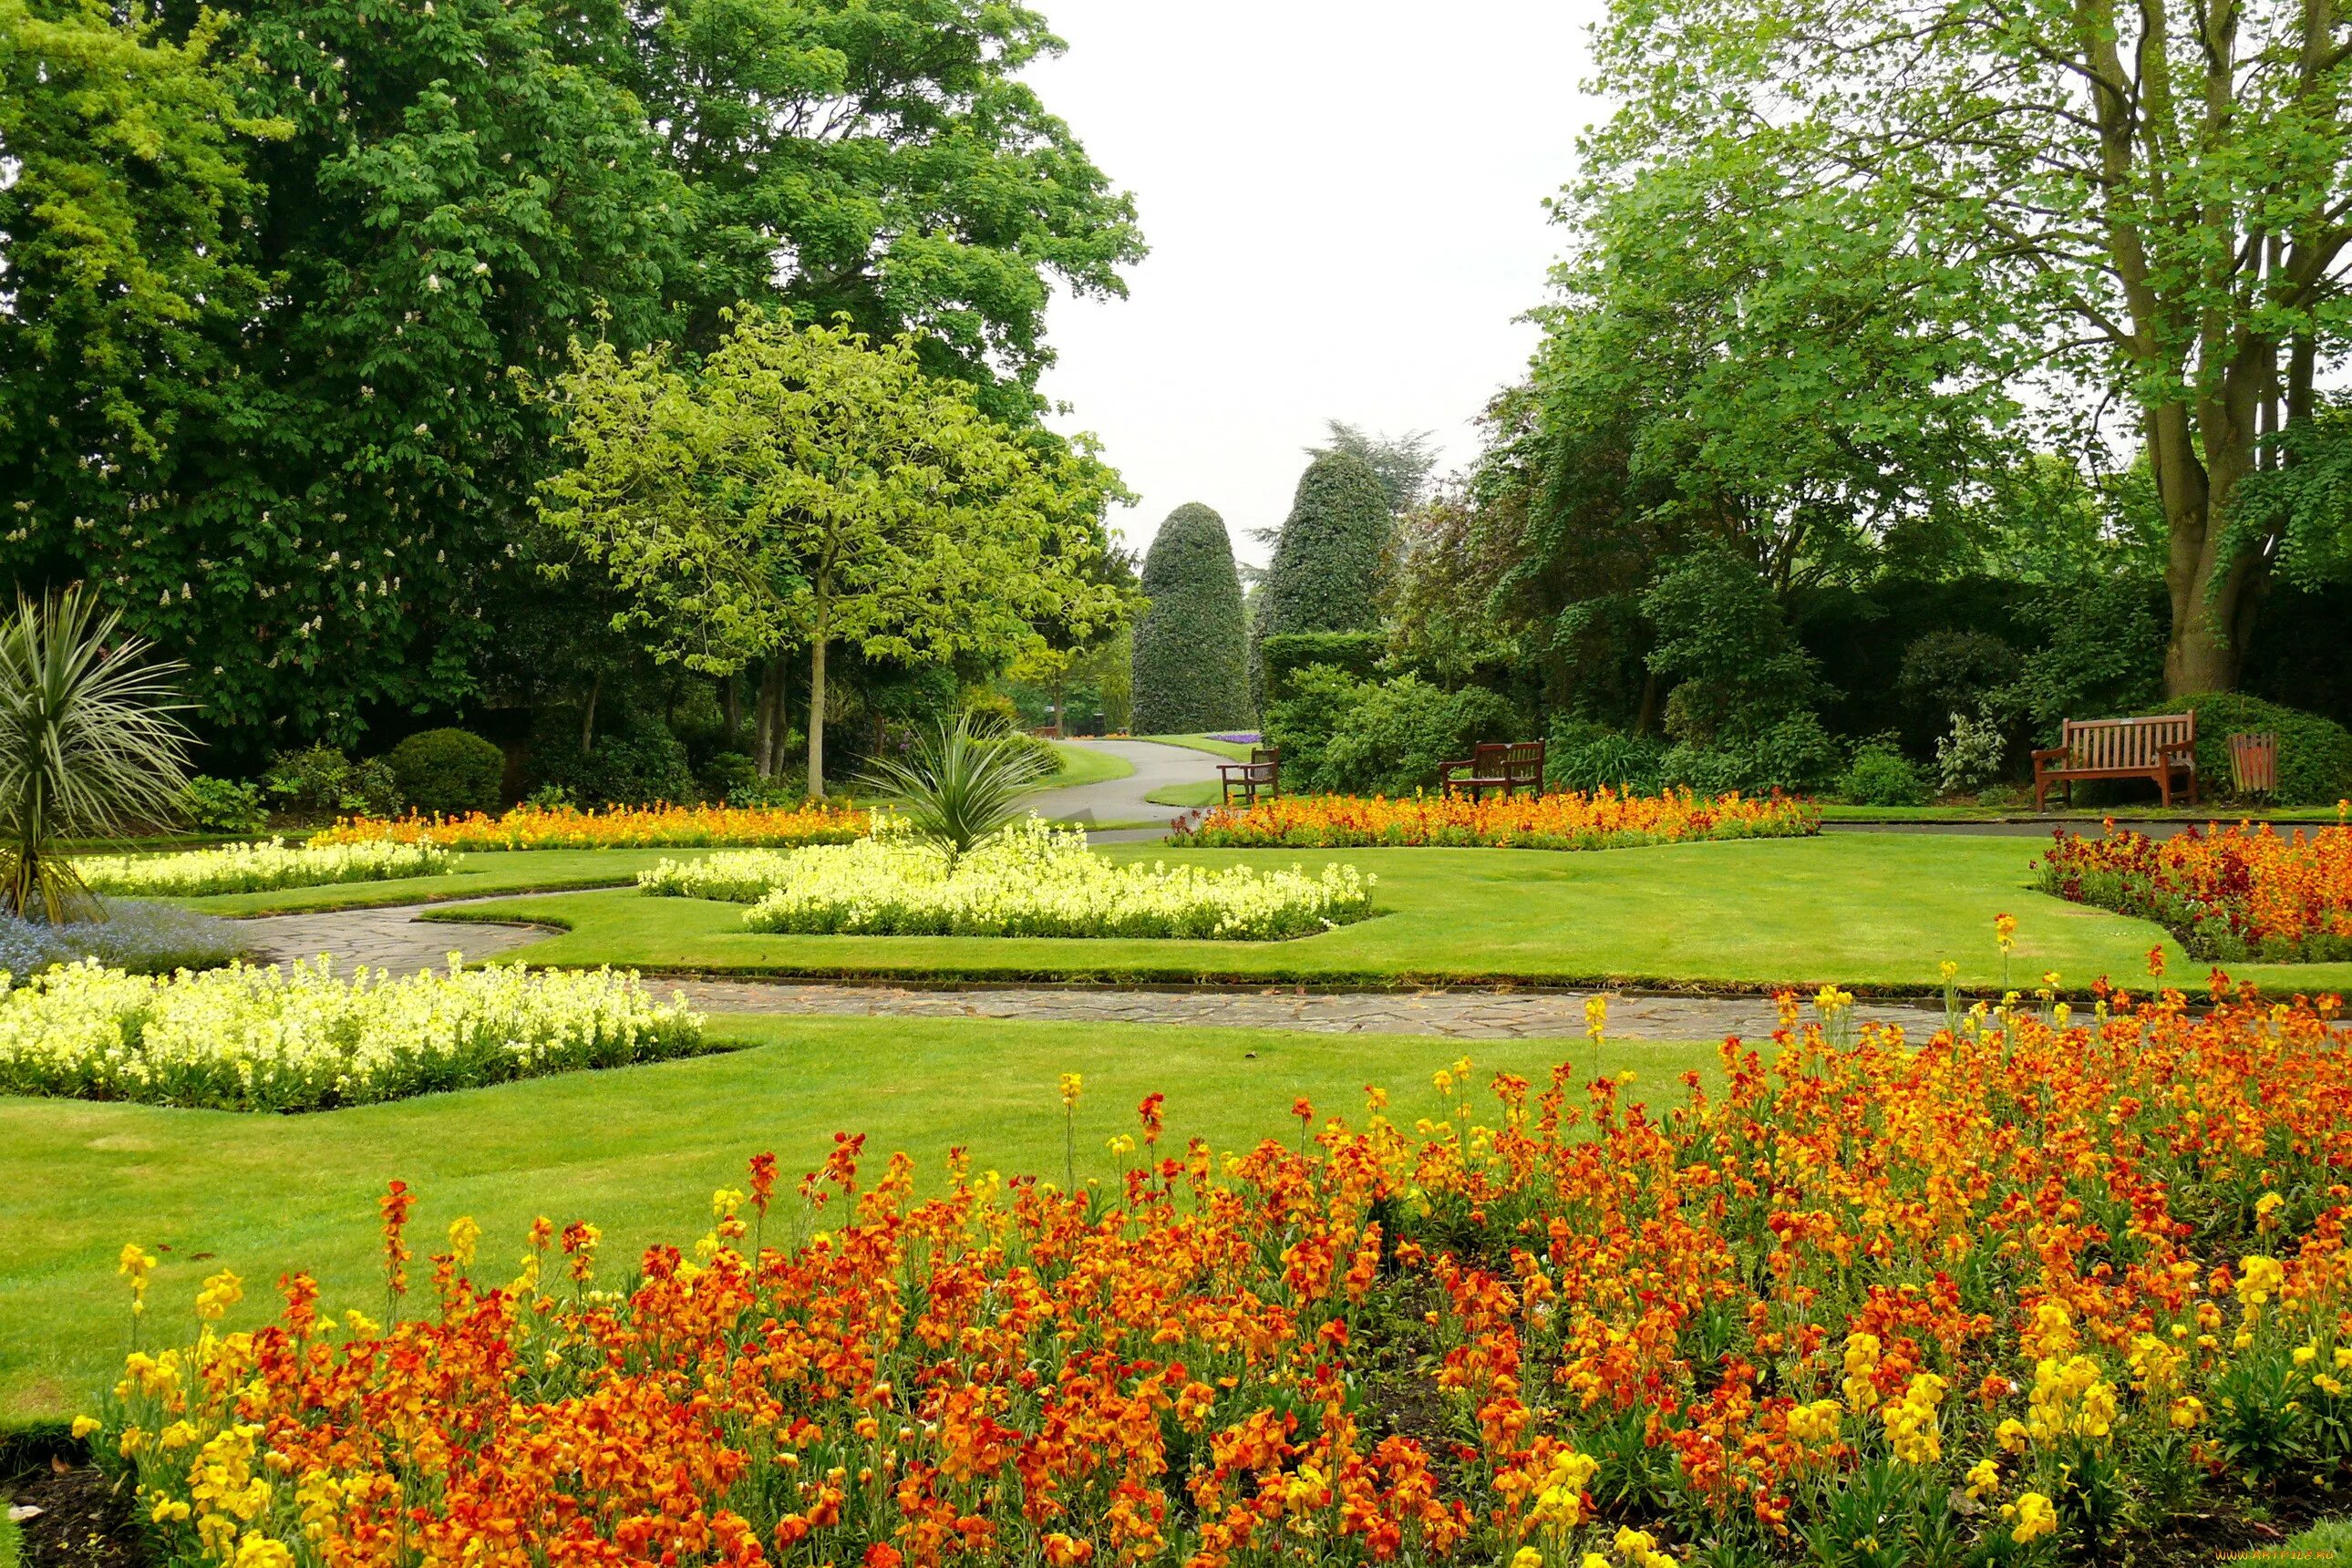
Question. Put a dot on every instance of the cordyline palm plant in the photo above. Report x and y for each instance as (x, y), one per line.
(90, 741)
(961, 784)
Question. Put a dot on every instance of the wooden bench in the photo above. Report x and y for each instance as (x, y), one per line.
(1261, 775)
(2158, 748)
(1505, 767)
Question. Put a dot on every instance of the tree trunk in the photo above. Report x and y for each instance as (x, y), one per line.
(730, 704)
(768, 720)
(588, 713)
(816, 715)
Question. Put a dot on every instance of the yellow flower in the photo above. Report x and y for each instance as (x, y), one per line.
(1984, 1476)
(221, 1292)
(2004, 930)
(462, 1235)
(2259, 1279)
(83, 1426)
(1596, 1016)
(1527, 1557)
(2034, 1516)
(1071, 1084)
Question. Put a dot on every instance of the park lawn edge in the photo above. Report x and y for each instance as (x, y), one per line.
(1082, 765)
(1231, 751)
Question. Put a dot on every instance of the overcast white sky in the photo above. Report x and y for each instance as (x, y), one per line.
(1344, 206)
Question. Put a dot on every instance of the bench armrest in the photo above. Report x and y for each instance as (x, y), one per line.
(1448, 770)
(2170, 747)
(2048, 755)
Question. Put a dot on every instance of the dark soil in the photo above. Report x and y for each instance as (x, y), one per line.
(83, 1523)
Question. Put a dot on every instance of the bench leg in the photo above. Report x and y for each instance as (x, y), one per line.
(2164, 785)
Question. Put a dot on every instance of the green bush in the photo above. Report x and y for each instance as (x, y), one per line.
(448, 772)
(1358, 653)
(320, 781)
(1345, 736)
(1326, 572)
(1189, 661)
(1580, 755)
(2314, 753)
(1702, 769)
(1796, 756)
(633, 767)
(220, 805)
(1881, 775)
(726, 772)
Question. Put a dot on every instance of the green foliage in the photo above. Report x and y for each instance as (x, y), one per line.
(1282, 654)
(2315, 755)
(1340, 734)
(1191, 647)
(449, 773)
(1737, 671)
(2101, 653)
(1326, 572)
(962, 783)
(320, 781)
(1585, 756)
(1880, 774)
(1954, 670)
(1403, 462)
(807, 488)
(91, 740)
(633, 763)
(224, 806)
(1971, 753)
(1795, 754)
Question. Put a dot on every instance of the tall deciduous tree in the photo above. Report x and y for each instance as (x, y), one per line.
(2157, 188)
(806, 488)
(1191, 649)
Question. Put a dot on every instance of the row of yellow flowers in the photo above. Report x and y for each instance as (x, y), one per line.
(2037, 1285)
(658, 827)
(1568, 820)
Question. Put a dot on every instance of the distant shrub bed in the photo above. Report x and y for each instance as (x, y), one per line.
(617, 827)
(1602, 820)
(2232, 894)
(143, 939)
(1033, 880)
(256, 868)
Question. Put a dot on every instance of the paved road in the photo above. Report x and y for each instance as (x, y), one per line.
(1157, 767)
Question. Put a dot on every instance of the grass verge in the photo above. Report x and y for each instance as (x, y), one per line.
(479, 875)
(1081, 766)
(1207, 792)
(1876, 910)
(1231, 751)
(637, 1149)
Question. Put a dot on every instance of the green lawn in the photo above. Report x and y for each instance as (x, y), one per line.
(476, 876)
(1207, 792)
(2082, 820)
(1082, 766)
(1209, 743)
(637, 1149)
(1871, 910)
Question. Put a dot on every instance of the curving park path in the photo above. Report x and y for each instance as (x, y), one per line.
(1121, 800)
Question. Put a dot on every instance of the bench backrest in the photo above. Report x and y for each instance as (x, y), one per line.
(2126, 742)
(1523, 763)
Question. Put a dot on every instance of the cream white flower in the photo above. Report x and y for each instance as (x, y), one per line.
(1032, 879)
(256, 868)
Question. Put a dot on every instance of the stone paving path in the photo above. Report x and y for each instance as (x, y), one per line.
(1157, 766)
(396, 940)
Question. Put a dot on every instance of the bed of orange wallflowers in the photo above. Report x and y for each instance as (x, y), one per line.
(2032, 1286)
(614, 827)
(1568, 820)
(2228, 893)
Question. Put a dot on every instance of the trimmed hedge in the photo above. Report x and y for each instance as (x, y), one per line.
(1358, 653)
(1191, 649)
(1326, 573)
(2314, 753)
(450, 772)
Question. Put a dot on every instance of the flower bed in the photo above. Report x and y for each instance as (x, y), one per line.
(303, 1038)
(2009, 1298)
(1032, 879)
(1603, 820)
(2228, 894)
(615, 828)
(256, 868)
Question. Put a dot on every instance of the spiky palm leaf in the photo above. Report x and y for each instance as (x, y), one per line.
(90, 741)
(960, 784)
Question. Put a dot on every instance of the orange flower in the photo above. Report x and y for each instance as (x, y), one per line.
(1564, 821)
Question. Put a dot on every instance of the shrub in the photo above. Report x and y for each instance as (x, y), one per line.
(221, 805)
(622, 767)
(1580, 755)
(1358, 653)
(1326, 572)
(726, 772)
(1030, 879)
(302, 1038)
(320, 781)
(1396, 735)
(2315, 754)
(1796, 754)
(1191, 650)
(1949, 671)
(449, 773)
(1881, 775)
(964, 781)
(1721, 636)
(1971, 754)
(1701, 769)
(143, 939)
(1304, 722)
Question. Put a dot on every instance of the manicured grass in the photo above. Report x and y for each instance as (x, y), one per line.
(638, 1151)
(2327, 1545)
(477, 875)
(1228, 750)
(2082, 820)
(1082, 766)
(1207, 792)
(1872, 910)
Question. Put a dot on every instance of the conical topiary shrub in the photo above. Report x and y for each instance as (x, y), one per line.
(1191, 647)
